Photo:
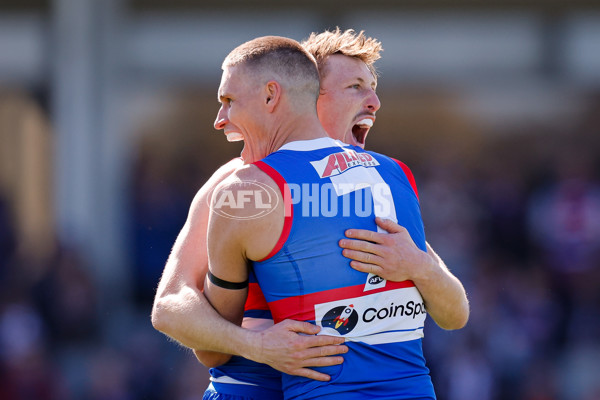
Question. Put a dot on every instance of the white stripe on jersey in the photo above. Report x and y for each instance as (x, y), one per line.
(230, 380)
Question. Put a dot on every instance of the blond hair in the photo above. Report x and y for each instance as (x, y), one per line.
(347, 43)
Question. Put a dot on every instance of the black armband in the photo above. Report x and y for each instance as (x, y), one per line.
(226, 284)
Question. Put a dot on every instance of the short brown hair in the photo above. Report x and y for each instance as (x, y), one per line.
(282, 56)
(347, 43)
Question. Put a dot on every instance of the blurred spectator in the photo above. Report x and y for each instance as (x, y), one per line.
(472, 378)
(66, 298)
(7, 236)
(159, 211)
(26, 369)
(564, 216)
(109, 375)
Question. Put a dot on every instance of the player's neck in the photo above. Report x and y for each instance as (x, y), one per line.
(303, 127)
(286, 130)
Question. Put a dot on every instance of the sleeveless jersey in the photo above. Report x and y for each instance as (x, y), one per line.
(329, 187)
(243, 377)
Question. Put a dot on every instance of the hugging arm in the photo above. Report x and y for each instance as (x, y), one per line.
(182, 312)
(180, 309)
(231, 243)
(395, 257)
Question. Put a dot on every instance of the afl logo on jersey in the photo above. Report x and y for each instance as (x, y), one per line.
(243, 200)
(375, 279)
(343, 319)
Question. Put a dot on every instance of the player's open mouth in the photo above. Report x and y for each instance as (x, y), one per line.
(360, 130)
(234, 136)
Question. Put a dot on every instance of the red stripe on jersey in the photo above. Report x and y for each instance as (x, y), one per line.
(287, 201)
(256, 299)
(302, 308)
(409, 175)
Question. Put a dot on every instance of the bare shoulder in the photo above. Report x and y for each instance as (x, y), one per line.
(251, 172)
(201, 202)
(246, 202)
(246, 194)
(227, 169)
(219, 176)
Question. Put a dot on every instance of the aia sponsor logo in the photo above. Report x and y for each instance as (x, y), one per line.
(343, 319)
(337, 163)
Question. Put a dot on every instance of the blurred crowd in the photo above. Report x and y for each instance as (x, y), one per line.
(519, 224)
(523, 236)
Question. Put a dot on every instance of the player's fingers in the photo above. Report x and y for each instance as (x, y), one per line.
(360, 245)
(368, 268)
(325, 352)
(322, 340)
(301, 327)
(311, 374)
(389, 225)
(364, 234)
(322, 361)
(362, 257)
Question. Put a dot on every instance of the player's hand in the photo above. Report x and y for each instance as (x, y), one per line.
(393, 255)
(292, 347)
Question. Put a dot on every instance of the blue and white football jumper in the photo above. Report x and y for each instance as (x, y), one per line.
(329, 187)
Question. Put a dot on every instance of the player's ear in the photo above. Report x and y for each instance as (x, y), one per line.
(272, 95)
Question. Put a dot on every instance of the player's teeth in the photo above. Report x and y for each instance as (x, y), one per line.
(234, 136)
(367, 122)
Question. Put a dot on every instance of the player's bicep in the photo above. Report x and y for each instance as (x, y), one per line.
(188, 262)
(226, 285)
(189, 256)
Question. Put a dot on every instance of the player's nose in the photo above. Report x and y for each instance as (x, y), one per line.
(221, 119)
(373, 103)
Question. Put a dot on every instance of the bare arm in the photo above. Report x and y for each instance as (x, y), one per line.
(394, 256)
(232, 242)
(182, 312)
(180, 309)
